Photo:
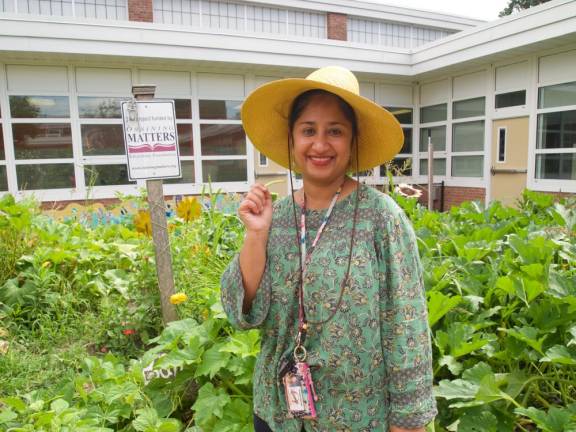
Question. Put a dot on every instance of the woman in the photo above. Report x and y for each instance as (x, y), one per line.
(330, 274)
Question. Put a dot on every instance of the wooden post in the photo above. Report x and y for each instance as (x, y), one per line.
(159, 228)
(430, 173)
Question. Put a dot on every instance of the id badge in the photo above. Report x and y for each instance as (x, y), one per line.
(299, 391)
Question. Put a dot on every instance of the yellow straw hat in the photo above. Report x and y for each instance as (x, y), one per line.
(266, 110)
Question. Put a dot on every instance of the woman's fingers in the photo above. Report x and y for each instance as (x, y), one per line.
(258, 195)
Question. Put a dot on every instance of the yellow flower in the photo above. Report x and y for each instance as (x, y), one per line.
(189, 209)
(143, 223)
(178, 298)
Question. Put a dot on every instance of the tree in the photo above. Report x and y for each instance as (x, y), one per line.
(518, 5)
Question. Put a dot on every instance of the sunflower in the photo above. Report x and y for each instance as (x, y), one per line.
(189, 209)
(143, 223)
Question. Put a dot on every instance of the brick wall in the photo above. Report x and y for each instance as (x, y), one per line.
(140, 10)
(337, 26)
(454, 196)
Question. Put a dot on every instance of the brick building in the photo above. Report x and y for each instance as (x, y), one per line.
(498, 99)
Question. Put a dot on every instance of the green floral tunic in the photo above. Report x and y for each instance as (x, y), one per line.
(371, 364)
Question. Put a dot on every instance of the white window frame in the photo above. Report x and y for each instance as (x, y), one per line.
(550, 185)
(78, 160)
(448, 154)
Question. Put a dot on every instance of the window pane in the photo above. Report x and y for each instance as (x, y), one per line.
(467, 166)
(39, 106)
(468, 108)
(557, 95)
(399, 166)
(439, 167)
(556, 166)
(187, 173)
(220, 110)
(183, 108)
(222, 140)
(433, 113)
(263, 159)
(49, 176)
(105, 175)
(511, 99)
(557, 130)
(468, 136)
(42, 140)
(403, 115)
(224, 170)
(438, 136)
(102, 140)
(3, 179)
(100, 107)
(407, 147)
(2, 153)
(501, 145)
(185, 139)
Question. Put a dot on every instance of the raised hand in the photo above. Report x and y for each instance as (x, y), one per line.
(255, 210)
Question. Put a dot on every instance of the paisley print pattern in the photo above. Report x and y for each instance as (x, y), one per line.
(371, 363)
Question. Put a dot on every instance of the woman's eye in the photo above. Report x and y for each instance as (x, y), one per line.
(336, 132)
(308, 131)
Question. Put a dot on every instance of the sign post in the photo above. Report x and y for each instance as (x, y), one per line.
(151, 143)
(430, 173)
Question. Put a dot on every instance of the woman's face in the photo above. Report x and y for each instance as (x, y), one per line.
(322, 141)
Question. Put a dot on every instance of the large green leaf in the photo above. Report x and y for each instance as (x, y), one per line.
(210, 403)
(561, 355)
(213, 360)
(439, 305)
(555, 420)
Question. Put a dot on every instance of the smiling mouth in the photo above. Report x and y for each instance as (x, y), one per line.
(320, 160)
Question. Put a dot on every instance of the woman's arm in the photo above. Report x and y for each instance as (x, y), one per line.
(255, 211)
(252, 264)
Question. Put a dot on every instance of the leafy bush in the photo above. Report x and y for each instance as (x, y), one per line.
(501, 287)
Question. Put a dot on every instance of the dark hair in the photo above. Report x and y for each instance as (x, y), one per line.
(303, 99)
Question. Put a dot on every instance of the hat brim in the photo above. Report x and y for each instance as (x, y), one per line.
(266, 110)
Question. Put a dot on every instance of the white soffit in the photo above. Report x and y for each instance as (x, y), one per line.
(167, 83)
(394, 95)
(555, 19)
(434, 93)
(30, 79)
(557, 68)
(512, 77)
(469, 86)
(220, 86)
(103, 81)
(367, 89)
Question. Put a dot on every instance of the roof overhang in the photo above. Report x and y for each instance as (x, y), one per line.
(544, 27)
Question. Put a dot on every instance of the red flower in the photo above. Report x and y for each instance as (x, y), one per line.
(128, 332)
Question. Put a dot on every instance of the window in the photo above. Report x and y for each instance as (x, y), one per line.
(467, 151)
(101, 9)
(262, 160)
(501, 145)
(3, 173)
(468, 108)
(557, 95)
(433, 113)
(42, 137)
(510, 99)
(556, 134)
(401, 165)
(458, 142)
(556, 146)
(222, 141)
